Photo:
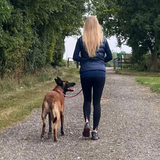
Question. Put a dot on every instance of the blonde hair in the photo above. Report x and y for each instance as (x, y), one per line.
(92, 35)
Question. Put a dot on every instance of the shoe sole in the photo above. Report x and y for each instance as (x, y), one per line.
(86, 132)
(95, 138)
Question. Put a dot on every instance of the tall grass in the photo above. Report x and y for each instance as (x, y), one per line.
(9, 83)
(18, 100)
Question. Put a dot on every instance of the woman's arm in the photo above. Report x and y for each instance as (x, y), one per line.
(108, 52)
(76, 56)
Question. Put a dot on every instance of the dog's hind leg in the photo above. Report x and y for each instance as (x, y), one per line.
(56, 127)
(44, 125)
(50, 125)
(45, 111)
(55, 130)
(62, 124)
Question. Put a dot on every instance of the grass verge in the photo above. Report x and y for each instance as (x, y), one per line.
(151, 79)
(153, 82)
(137, 73)
(18, 101)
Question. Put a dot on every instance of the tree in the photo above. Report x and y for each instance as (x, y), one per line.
(5, 13)
(32, 33)
(136, 22)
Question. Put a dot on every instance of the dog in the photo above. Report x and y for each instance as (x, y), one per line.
(53, 105)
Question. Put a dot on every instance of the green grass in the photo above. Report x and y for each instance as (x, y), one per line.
(151, 79)
(137, 73)
(18, 101)
(153, 82)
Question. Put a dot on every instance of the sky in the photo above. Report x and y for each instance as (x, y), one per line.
(70, 43)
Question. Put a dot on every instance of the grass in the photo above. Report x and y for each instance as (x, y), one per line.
(151, 79)
(137, 73)
(153, 82)
(18, 101)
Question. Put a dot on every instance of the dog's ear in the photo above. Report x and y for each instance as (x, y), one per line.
(58, 81)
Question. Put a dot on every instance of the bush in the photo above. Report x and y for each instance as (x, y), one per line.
(144, 64)
(62, 63)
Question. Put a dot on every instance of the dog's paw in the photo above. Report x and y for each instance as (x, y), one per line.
(42, 138)
(62, 133)
(55, 140)
(49, 135)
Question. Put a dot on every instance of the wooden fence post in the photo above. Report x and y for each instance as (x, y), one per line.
(121, 62)
(77, 64)
(114, 61)
(68, 63)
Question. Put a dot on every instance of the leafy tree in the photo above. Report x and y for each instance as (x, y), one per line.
(136, 22)
(32, 33)
(11, 39)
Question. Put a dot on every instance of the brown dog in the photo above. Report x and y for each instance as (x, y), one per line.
(53, 105)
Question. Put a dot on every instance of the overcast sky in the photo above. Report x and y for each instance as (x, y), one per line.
(70, 43)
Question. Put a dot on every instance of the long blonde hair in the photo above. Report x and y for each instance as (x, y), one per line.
(92, 35)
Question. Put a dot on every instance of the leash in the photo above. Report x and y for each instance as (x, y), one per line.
(69, 96)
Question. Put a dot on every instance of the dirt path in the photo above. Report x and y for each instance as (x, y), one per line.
(129, 128)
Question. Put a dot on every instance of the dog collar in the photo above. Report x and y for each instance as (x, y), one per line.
(58, 90)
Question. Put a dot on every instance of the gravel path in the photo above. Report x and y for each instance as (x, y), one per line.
(129, 128)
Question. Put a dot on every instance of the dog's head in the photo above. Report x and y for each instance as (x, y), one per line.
(65, 85)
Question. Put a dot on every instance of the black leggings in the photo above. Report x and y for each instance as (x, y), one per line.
(97, 83)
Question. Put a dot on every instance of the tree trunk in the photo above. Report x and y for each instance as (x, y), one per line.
(3, 68)
(154, 56)
(154, 67)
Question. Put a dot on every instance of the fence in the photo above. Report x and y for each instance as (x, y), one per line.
(121, 62)
(70, 62)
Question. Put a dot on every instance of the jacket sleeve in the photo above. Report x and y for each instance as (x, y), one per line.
(108, 52)
(76, 54)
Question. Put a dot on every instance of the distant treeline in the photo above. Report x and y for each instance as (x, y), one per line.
(135, 22)
(32, 32)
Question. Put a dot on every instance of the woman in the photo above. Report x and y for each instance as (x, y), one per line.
(92, 51)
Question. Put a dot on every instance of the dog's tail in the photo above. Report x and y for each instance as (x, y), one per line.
(53, 107)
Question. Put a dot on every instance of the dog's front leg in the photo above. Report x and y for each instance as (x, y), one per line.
(50, 125)
(62, 124)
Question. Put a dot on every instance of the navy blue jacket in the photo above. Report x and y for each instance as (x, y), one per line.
(103, 55)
